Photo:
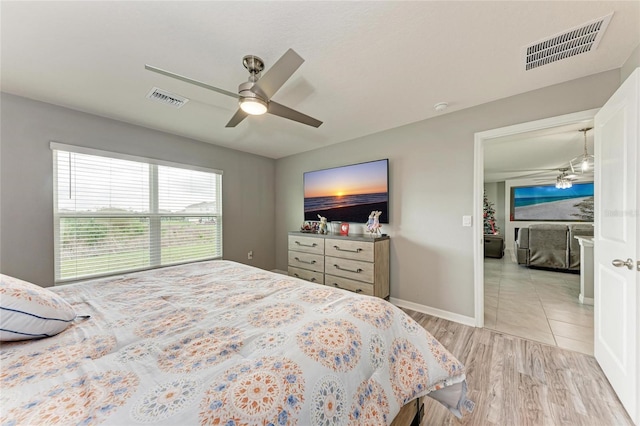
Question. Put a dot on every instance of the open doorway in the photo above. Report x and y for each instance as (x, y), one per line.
(536, 304)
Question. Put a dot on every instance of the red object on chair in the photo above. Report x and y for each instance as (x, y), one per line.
(344, 228)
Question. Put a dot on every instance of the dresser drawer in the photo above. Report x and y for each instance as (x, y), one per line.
(306, 244)
(314, 277)
(354, 269)
(313, 262)
(346, 249)
(351, 285)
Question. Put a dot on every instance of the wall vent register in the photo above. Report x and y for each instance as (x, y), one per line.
(167, 98)
(575, 41)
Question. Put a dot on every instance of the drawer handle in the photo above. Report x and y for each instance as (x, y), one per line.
(358, 250)
(357, 271)
(306, 245)
(313, 262)
(358, 290)
(313, 279)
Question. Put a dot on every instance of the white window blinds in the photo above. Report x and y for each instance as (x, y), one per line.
(115, 213)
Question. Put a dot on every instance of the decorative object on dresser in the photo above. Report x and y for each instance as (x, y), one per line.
(310, 226)
(357, 263)
(373, 224)
(322, 227)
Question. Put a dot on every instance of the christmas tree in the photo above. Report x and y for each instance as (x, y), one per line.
(490, 226)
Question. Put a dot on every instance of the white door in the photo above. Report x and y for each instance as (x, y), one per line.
(616, 241)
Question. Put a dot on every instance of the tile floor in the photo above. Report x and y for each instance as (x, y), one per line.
(536, 304)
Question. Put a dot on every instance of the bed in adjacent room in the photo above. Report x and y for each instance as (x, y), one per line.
(217, 342)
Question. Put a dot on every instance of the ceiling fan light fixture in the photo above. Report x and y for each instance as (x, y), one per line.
(255, 95)
(253, 106)
(563, 183)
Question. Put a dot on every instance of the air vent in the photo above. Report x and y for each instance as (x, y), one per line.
(167, 98)
(575, 41)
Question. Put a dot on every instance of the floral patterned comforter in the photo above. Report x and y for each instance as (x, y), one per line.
(224, 343)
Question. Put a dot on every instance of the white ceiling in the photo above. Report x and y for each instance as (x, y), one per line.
(370, 66)
(537, 155)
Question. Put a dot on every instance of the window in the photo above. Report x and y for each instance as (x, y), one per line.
(115, 213)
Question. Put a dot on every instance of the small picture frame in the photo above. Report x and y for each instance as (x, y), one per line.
(310, 226)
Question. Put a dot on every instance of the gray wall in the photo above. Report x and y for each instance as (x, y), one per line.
(631, 64)
(26, 182)
(431, 184)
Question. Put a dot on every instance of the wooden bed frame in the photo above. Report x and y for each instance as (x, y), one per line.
(410, 414)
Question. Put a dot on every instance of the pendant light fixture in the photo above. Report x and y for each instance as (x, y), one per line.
(583, 163)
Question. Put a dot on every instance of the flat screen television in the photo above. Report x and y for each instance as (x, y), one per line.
(548, 203)
(348, 193)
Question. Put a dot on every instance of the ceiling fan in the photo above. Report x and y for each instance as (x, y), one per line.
(564, 180)
(254, 96)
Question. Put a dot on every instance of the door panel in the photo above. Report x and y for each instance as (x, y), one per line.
(614, 169)
(610, 297)
(616, 237)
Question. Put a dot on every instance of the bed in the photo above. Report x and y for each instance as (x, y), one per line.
(220, 342)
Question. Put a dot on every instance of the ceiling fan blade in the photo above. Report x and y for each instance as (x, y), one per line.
(190, 80)
(286, 112)
(524, 173)
(279, 73)
(532, 175)
(237, 118)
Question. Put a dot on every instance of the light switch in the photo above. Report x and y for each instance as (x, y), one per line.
(466, 221)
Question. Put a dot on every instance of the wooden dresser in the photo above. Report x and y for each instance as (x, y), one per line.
(355, 263)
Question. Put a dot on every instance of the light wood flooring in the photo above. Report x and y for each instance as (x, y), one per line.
(536, 304)
(514, 381)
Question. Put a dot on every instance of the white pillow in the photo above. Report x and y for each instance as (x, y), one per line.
(28, 311)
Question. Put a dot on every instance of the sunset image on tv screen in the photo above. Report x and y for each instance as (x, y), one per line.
(348, 193)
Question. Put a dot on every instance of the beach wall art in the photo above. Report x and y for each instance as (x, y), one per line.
(548, 203)
(348, 193)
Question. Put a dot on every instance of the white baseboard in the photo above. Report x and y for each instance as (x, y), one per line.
(585, 300)
(462, 319)
(278, 271)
